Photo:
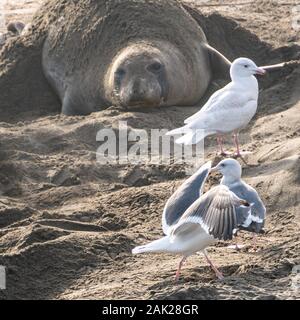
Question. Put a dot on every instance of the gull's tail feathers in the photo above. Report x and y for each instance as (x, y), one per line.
(160, 245)
(193, 117)
(193, 137)
(178, 131)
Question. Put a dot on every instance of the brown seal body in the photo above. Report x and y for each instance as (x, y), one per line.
(86, 55)
(128, 53)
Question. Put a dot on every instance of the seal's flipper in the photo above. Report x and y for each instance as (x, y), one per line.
(72, 104)
(68, 107)
(220, 65)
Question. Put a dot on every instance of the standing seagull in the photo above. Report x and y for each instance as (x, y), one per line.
(228, 110)
(249, 219)
(212, 217)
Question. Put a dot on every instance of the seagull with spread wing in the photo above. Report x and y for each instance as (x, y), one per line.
(210, 218)
(192, 221)
(183, 197)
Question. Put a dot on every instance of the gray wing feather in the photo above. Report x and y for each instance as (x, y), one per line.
(249, 194)
(257, 210)
(214, 211)
(184, 196)
(242, 214)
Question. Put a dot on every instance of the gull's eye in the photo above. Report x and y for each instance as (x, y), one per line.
(246, 66)
(223, 165)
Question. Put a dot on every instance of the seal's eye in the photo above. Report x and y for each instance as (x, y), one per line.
(120, 73)
(154, 67)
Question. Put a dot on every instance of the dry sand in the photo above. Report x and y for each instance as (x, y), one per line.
(68, 224)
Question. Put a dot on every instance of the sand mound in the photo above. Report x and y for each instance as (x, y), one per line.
(68, 224)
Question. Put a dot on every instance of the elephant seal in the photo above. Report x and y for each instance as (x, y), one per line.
(131, 54)
(83, 56)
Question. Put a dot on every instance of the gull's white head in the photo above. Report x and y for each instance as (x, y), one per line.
(230, 169)
(244, 67)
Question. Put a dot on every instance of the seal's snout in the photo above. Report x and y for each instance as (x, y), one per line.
(140, 87)
(142, 92)
(138, 78)
(138, 90)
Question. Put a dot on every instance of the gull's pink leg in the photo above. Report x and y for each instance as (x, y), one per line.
(254, 242)
(182, 261)
(254, 247)
(217, 272)
(236, 245)
(220, 143)
(237, 145)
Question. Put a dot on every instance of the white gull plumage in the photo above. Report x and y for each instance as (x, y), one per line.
(228, 110)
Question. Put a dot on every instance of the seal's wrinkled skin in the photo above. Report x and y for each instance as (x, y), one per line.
(95, 54)
(153, 60)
